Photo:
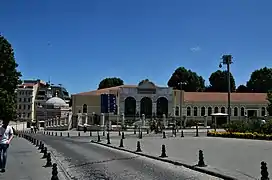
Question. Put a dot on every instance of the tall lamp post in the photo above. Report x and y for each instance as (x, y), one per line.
(180, 102)
(227, 60)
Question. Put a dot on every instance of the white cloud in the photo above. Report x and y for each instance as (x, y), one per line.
(195, 49)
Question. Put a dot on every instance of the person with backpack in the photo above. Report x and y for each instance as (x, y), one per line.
(6, 135)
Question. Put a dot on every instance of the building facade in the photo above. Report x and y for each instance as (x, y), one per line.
(152, 101)
(32, 96)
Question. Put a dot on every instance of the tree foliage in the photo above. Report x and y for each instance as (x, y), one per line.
(242, 89)
(260, 80)
(191, 81)
(110, 82)
(269, 98)
(219, 82)
(9, 80)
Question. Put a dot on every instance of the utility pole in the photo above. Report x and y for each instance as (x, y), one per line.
(180, 101)
(227, 60)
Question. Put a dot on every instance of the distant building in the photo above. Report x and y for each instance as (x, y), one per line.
(154, 101)
(32, 96)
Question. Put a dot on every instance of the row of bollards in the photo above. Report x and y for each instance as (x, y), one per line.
(44, 151)
(201, 162)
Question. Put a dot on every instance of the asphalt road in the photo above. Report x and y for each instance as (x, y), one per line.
(86, 161)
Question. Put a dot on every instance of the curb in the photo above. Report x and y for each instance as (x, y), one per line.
(195, 168)
(60, 166)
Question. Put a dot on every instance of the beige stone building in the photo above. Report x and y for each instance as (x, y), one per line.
(133, 101)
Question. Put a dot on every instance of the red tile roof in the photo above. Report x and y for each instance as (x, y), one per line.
(197, 96)
(223, 97)
(105, 91)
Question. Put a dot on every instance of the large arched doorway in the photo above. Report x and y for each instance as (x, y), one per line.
(146, 107)
(130, 106)
(162, 106)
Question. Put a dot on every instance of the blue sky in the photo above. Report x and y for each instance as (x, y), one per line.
(78, 43)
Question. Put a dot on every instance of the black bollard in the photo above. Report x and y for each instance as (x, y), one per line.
(103, 133)
(147, 131)
(141, 135)
(163, 135)
(42, 148)
(98, 138)
(55, 172)
(85, 129)
(201, 162)
(134, 130)
(78, 133)
(264, 172)
(108, 138)
(68, 134)
(182, 135)
(37, 143)
(40, 145)
(123, 135)
(56, 134)
(197, 130)
(52, 133)
(163, 152)
(60, 133)
(138, 147)
(44, 153)
(121, 143)
(48, 160)
(91, 133)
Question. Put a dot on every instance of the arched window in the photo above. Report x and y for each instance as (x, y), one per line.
(188, 111)
(177, 111)
(216, 110)
(223, 110)
(203, 111)
(195, 111)
(209, 111)
(242, 113)
(263, 111)
(85, 108)
(235, 111)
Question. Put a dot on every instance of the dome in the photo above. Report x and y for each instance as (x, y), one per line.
(56, 101)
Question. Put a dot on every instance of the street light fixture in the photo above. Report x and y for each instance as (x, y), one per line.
(227, 60)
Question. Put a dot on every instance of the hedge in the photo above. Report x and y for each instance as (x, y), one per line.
(254, 135)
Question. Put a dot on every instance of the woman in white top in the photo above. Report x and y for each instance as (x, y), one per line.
(6, 135)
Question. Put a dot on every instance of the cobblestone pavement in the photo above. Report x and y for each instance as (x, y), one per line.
(25, 163)
(86, 161)
(238, 158)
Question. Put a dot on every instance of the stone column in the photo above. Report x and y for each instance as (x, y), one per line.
(143, 119)
(205, 121)
(102, 123)
(164, 120)
(123, 119)
(86, 119)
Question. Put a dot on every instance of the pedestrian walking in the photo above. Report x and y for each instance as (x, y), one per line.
(6, 135)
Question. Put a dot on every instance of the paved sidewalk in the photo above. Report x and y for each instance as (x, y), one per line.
(238, 158)
(25, 163)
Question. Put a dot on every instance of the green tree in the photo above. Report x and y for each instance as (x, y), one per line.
(219, 82)
(9, 80)
(242, 89)
(269, 98)
(260, 80)
(191, 81)
(110, 82)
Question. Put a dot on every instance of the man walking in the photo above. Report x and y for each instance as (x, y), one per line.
(6, 135)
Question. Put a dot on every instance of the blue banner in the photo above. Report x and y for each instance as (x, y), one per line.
(108, 103)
